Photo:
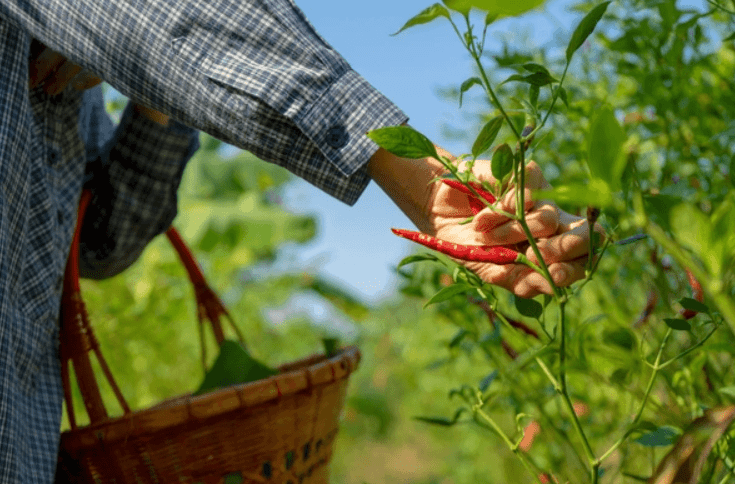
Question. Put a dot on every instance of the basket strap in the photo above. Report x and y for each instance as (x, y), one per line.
(209, 305)
(77, 338)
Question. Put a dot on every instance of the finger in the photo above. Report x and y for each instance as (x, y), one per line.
(566, 246)
(85, 80)
(58, 81)
(533, 180)
(530, 283)
(566, 273)
(542, 221)
(42, 66)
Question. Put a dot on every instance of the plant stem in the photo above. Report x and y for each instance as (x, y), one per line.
(487, 420)
(485, 81)
(654, 373)
(564, 391)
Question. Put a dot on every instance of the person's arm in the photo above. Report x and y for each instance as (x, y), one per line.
(134, 173)
(252, 73)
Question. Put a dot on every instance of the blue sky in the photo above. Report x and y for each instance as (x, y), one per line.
(354, 245)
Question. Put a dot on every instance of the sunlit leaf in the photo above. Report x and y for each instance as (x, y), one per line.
(417, 258)
(487, 136)
(585, 28)
(729, 391)
(404, 141)
(425, 16)
(448, 293)
(499, 7)
(604, 151)
(692, 230)
(502, 162)
(596, 193)
(466, 85)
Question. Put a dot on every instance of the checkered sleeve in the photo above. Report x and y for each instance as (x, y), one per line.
(253, 73)
(134, 192)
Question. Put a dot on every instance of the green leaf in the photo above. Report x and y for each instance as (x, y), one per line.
(490, 18)
(404, 141)
(233, 366)
(457, 338)
(605, 157)
(488, 380)
(729, 391)
(678, 324)
(501, 8)
(619, 376)
(596, 193)
(621, 337)
(425, 16)
(417, 258)
(585, 28)
(694, 305)
(466, 85)
(529, 307)
(533, 92)
(487, 135)
(448, 293)
(692, 230)
(563, 95)
(502, 162)
(330, 346)
(536, 68)
(729, 37)
(539, 79)
(442, 421)
(661, 437)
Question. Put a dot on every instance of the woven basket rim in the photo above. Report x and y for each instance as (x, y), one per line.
(298, 376)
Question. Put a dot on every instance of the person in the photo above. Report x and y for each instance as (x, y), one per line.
(252, 73)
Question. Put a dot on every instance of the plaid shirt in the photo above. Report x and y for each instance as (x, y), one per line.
(253, 73)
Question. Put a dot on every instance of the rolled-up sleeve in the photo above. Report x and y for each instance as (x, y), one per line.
(253, 73)
(134, 181)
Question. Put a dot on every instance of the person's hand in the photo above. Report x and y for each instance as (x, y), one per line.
(54, 72)
(562, 238)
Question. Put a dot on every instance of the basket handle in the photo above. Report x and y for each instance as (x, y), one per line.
(77, 337)
(209, 305)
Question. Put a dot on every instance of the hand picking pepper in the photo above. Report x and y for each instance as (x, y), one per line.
(477, 253)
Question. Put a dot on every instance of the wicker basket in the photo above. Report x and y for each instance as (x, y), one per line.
(278, 430)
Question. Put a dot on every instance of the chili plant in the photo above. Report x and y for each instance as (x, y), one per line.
(697, 241)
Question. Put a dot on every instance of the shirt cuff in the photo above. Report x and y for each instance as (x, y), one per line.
(339, 120)
(152, 149)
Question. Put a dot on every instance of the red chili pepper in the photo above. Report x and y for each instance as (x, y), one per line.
(697, 294)
(475, 204)
(477, 253)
